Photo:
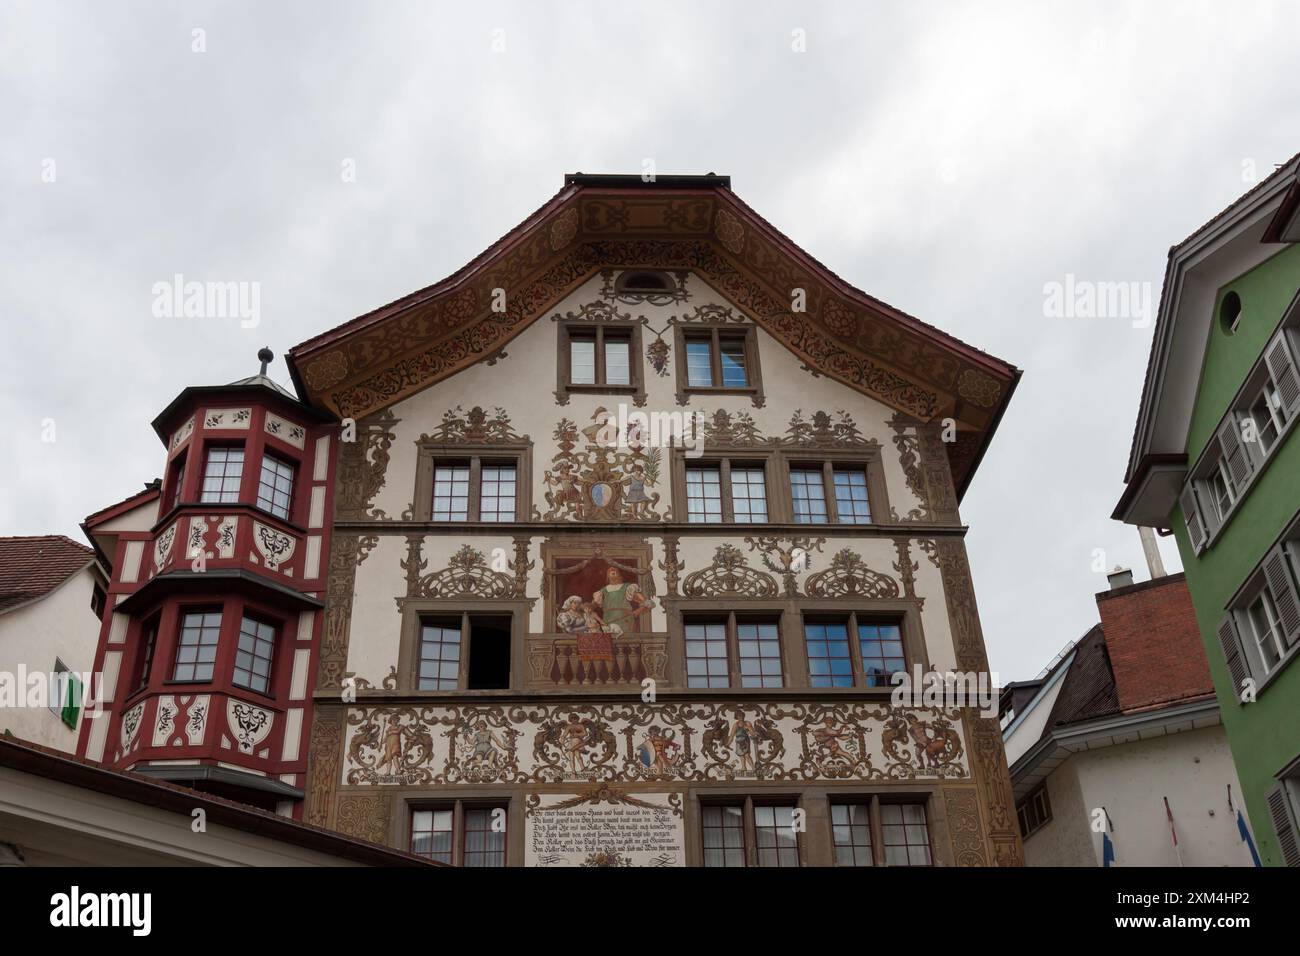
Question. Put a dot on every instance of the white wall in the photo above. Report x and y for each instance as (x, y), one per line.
(1193, 769)
(60, 625)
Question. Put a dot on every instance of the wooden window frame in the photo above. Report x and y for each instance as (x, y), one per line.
(148, 648)
(208, 448)
(276, 631)
(724, 461)
(290, 463)
(1028, 807)
(749, 829)
(458, 808)
(630, 329)
(903, 801)
(182, 614)
(829, 462)
(732, 620)
(913, 645)
(432, 454)
(414, 612)
(872, 804)
(715, 333)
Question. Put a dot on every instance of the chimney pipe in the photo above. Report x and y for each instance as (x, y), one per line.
(1152, 552)
(1119, 578)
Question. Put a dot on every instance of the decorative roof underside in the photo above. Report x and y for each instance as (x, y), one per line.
(694, 224)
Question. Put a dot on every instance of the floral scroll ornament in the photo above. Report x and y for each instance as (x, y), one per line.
(849, 576)
(467, 574)
(657, 353)
(729, 576)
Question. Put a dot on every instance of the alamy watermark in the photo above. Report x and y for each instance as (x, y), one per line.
(181, 299)
(1077, 298)
(946, 690)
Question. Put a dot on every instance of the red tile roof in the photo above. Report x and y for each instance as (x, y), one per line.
(31, 568)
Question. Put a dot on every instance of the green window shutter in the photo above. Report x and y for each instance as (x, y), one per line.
(1232, 654)
(1284, 822)
(72, 702)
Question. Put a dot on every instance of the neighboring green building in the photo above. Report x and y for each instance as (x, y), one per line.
(1216, 460)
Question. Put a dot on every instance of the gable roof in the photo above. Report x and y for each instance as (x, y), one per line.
(32, 567)
(597, 223)
(1157, 451)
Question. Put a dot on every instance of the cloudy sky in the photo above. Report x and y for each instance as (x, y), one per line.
(951, 159)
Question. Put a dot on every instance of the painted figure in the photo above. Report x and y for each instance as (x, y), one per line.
(636, 498)
(485, 746)
(391, 757)
(572, 618)
(741, 742)
(620, 603)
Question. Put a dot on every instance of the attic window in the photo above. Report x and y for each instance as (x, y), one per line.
(1230, 313)
(644, 282)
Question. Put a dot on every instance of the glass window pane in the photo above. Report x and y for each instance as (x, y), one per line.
(851, 496)
(748, 495)
(618, 370)
(808, 494)
(699, 363)
(703, 493)
(733, 365)
(582, 361)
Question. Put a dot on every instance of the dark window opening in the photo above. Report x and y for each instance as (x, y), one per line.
(489, 653)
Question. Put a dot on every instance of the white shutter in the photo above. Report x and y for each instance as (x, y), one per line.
(1282, 369)
(1240, 464)
(1192, 515)
(1283, 590)
(1232, 655)
(1284, 822)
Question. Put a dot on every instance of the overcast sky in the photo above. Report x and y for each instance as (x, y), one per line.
(951, 159)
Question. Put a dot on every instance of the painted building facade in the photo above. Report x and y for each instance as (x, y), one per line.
(538, 631)
(1215, 460)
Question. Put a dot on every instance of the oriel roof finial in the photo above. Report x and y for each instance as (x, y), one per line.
(266, 357)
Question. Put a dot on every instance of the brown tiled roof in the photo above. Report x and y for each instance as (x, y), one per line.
(31, 568)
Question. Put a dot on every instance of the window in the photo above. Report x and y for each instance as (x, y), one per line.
(717, 360)
(472, 488)
(703, 493)
(726, 491)
(881, 646)
(748, 494)
(733, 651)
(177, 480)
(451, 492)
(469, 650)
(1230, 313)
(833, 493)
(434, 835)
(1259, 420)
(1034, 811)
(439, 666)
(851, 495)
(497, 496)
(905, 834)
(196, 651)
(851, 834)
(275, 486)
(253, 656)
(706, 655)
(833, 661)
(148, 640)
(829, 664)
(809, 495)
(722, 829)
(1262, 614)
(1284, 808)
(600, 356)
(485, 846)
(775, 836)
(222, 474)
(98, 601)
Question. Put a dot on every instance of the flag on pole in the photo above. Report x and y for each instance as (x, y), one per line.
(1173, 832)
(1107, 850)
(1245, 835)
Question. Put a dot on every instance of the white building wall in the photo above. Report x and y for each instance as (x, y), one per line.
(60, 625)
(1193, 769)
